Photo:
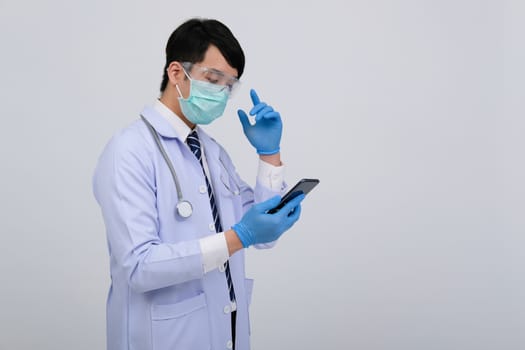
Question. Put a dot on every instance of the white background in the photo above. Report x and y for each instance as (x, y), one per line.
(409, 112)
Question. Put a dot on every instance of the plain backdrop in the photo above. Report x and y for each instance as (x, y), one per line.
(411, 113)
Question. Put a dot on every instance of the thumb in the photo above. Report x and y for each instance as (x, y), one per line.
(293, 203)
(269, 204)
(243, 119)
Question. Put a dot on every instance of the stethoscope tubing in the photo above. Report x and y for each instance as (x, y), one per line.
(184, 207)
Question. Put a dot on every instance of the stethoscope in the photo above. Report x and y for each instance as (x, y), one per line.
(183, 206)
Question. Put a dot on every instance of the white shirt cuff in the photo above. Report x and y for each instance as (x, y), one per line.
(271, 176)
(214, 251)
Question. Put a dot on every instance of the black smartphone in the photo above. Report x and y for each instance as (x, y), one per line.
(303, 186)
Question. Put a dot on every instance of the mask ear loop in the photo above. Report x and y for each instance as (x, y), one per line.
(178, 90)
(177, 85)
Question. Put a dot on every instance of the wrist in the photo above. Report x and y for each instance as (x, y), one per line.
(273, 159)
(232, 241)
(243, 234)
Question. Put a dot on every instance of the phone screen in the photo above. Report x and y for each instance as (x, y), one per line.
(303, 186)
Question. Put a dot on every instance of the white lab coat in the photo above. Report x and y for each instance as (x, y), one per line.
(160, 297)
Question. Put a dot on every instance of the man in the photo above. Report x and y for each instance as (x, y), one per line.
(176, 236)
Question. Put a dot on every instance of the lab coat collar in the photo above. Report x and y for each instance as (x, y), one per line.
(160, 120)
(160, 123)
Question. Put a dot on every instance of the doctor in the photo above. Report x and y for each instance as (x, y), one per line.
(178, 215)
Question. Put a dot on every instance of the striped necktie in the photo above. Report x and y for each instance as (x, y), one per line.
(195, 147)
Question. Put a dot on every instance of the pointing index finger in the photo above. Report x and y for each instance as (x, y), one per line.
(255, 98)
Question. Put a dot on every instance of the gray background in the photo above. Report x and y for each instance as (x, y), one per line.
(410, 113)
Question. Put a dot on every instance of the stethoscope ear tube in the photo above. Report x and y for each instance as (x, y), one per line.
(184, 207)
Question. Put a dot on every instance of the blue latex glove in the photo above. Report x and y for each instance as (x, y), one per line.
(258, 226)
(265, 134)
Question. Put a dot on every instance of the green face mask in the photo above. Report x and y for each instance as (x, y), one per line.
(205, 103)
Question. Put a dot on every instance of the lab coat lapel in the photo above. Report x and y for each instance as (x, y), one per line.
(212, 151)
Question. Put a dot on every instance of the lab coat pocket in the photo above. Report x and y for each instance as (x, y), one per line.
(183, 325)
(229, 186)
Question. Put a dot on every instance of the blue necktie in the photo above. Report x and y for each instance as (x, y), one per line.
(195, 147)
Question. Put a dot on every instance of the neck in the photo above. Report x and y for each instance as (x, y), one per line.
(174, 106)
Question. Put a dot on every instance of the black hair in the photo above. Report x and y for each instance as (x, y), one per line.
(190, 41)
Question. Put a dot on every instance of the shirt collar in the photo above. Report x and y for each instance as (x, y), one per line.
(181, 129)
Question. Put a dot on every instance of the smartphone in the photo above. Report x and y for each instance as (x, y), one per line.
(303, 186)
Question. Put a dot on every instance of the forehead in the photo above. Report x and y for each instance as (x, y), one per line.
(213, 58)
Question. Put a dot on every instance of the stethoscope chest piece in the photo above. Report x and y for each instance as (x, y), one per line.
(184, 208)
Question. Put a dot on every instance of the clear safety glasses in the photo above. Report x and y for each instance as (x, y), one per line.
(213, 76)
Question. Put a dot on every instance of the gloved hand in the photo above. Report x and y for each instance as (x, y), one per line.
(258, 226)
(265, 134)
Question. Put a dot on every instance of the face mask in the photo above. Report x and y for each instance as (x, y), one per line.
(205, 103)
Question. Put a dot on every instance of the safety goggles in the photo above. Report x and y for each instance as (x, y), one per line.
(213, 76)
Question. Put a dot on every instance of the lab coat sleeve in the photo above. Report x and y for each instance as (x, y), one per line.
(124, 186)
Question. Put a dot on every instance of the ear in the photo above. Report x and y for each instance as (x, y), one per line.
(175, 73)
